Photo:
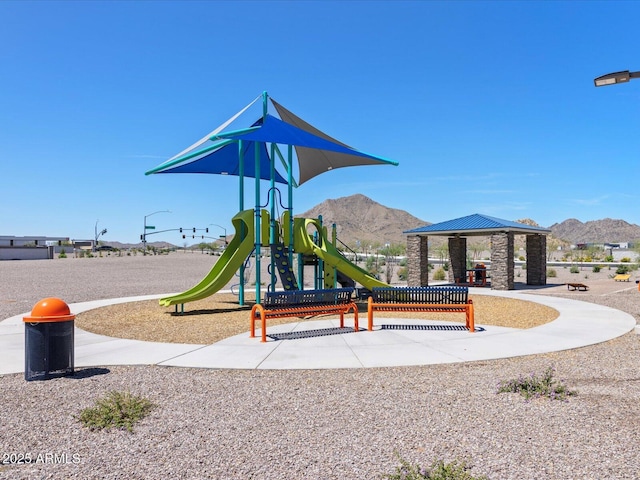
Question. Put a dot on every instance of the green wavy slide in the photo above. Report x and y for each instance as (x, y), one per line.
(303, 243)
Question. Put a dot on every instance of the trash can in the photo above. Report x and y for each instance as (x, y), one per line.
(48, 340)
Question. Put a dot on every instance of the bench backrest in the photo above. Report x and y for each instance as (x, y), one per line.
(333, 296)
(429, 295)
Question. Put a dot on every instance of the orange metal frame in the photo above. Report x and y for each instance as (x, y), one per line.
(298, 311)
(466, 308)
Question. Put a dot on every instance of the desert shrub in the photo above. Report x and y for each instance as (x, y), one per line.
(574, 269)
(551, 273)
(596, 268)
(63, 253)
(521, 258)
(608, 258)
(625, 260)
(402, 273)
(438, 470)
(445, 266)
(439, 274)
(532, 386)
(115, 410)
(622, 269)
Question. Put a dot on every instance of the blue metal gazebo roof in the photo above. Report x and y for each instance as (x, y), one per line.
(476, 224)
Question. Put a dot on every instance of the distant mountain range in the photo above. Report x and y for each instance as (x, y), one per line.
(360, 219)
(596, 231)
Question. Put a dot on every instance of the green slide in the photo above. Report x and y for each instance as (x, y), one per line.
(303, 243)
(227, 265)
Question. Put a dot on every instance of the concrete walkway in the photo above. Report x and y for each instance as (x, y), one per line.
(320, 344)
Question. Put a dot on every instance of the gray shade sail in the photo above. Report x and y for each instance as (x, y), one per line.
(314, 161)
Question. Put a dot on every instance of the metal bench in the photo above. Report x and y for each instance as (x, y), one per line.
(302, 303)
(421, 299)
(577, 286)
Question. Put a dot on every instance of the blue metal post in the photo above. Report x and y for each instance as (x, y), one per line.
(241, 206)
(257, 224)
(272, 222)
(290, 208)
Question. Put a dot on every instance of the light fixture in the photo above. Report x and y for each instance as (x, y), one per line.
(613, 78)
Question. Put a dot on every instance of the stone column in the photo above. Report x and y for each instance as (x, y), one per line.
(417, 261)
(502, 263)
(536, 259)
(457, 259)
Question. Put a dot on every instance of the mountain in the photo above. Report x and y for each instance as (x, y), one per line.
(358, 218)
(596, 231)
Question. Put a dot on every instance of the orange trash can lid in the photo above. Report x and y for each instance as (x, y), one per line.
(49, 310)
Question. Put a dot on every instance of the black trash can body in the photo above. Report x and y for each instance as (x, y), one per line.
(49, 350)
(49, 340)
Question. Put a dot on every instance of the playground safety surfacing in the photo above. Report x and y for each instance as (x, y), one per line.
(320, 344)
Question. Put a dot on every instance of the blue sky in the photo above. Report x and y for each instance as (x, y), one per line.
(489, 107)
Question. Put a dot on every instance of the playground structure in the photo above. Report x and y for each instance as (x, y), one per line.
(252, 152)
(305, 243)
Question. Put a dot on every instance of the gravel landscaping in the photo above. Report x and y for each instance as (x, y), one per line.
(317, 424)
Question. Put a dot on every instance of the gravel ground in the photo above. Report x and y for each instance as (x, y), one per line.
(316, 424)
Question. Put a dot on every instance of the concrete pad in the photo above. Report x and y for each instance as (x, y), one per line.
(224, 356)
(321, 344)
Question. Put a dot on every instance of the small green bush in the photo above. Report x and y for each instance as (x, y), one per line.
(537, 386)
(551, 273)
(439, 274)
(608, 258)
(574, 269)
(625, 260)
(438, 470)
(115, 410)
(63, 254)
(622, 269)
(402, 273)
(596, 268)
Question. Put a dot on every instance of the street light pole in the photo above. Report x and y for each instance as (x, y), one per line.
(225, 232)
(144, 233)
(96, 235)
(616, 77)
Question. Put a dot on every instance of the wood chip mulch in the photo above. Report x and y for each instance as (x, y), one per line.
(220, 316)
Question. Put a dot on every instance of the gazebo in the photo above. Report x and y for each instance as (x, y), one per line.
(502, 234)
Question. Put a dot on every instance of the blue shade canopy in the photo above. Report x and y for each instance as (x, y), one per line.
(316, 151)
(476, 224)
(225, 160)
(316, 154)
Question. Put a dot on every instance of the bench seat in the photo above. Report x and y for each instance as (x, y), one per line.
(421, 299)
(303, 303)
(577, 286)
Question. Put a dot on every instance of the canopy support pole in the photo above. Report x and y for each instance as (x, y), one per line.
(256, 233)
(242, 233)
(290, 208)
(272, 223)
